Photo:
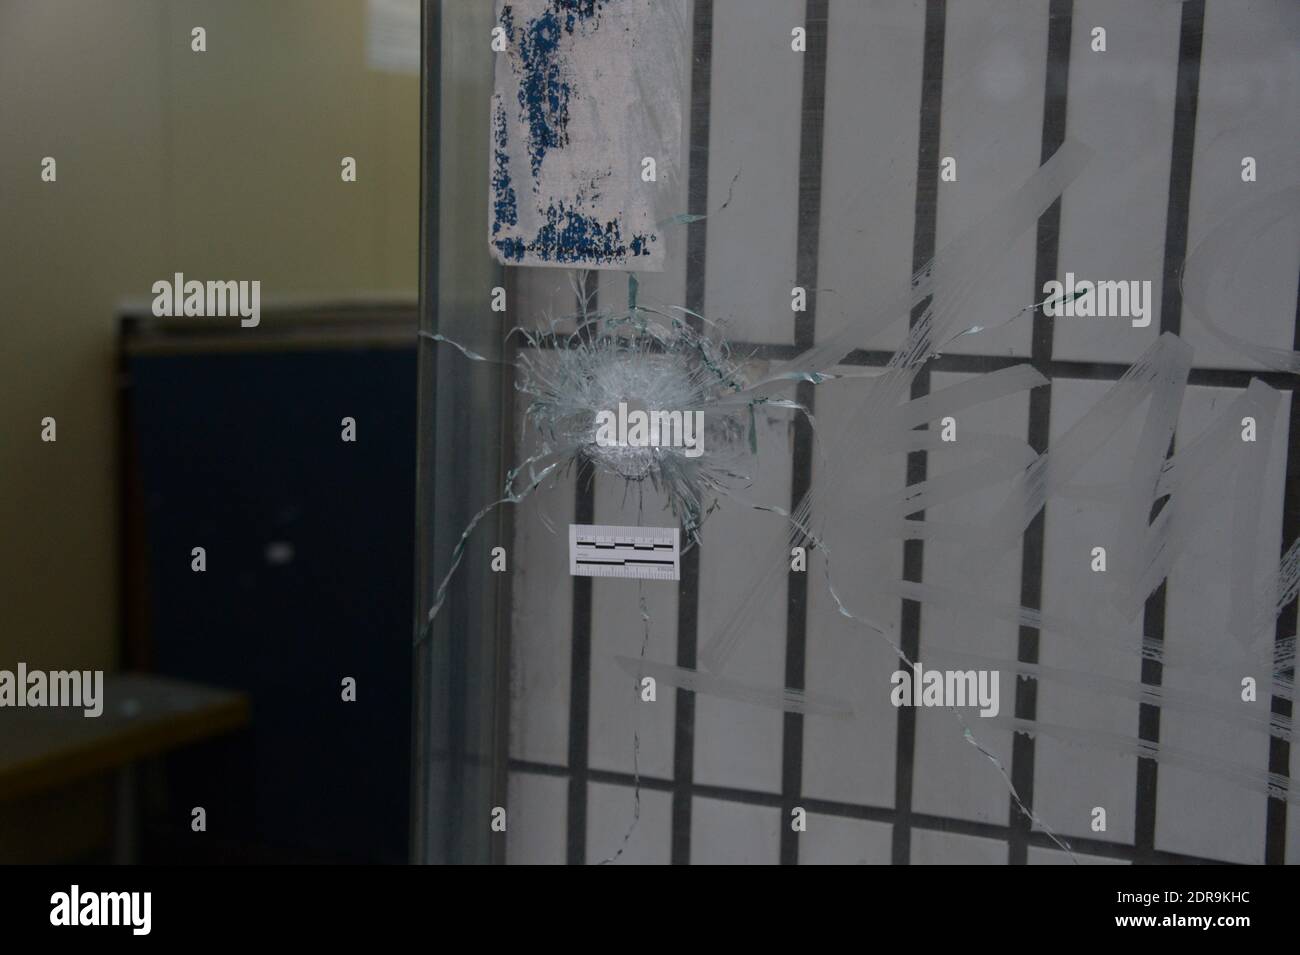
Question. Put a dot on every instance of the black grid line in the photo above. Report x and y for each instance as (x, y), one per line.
(688, 591)
(1171, 305)
(923, 243)
(972, 364)
(1046, 258)
(584, 512)
(930, 822)
(1017, 834)
(811, 128)
(688, 608)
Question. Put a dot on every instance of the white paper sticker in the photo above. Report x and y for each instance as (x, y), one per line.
(586, 131)
(600, 550)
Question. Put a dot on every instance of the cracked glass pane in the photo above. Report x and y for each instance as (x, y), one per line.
(966, 380)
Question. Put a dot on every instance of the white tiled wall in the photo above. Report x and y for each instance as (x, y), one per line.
(729, 833)
(950, 848)
(610, 814)
(1121, 103)
(995, 55)
(952, 777)
(1246, 107)
(837, 840)
(1070, 779)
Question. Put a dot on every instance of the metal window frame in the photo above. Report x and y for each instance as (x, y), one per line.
(460, 715)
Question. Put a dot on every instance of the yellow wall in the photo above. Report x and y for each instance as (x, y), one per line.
(222, 164)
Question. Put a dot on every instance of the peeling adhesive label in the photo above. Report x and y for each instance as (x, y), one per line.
(586, 131)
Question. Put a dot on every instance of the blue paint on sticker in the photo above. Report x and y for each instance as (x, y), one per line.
(504, 206)
(544, 93)
(569, 235)
(512, 248)
(572, 229)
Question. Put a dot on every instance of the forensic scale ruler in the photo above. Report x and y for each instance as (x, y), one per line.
(599, 550)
